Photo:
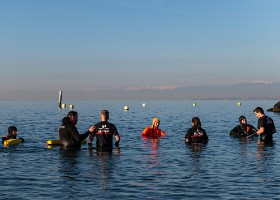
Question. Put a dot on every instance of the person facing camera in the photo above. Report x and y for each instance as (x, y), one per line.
(196, 134)
(153, 131)
(12, 134)
(243, 129)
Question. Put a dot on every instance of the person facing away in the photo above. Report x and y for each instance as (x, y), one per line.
(196, 134)
(266, 127)
(243, 129)
(153, 130)
(68, 133)
(12, 133)
(104, 131)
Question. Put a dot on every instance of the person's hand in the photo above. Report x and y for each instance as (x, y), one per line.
(91, 129)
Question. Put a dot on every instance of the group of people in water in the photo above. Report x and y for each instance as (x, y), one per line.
(104, 130)
(266, 127)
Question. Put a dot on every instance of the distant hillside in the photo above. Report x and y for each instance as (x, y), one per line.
(237, 91)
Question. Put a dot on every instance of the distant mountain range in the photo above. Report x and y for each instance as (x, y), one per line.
(237, 91)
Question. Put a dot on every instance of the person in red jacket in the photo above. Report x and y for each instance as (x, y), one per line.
(153, 130)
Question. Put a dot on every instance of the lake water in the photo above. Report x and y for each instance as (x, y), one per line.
(225, 168)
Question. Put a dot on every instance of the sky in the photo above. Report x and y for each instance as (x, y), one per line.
(88, 45)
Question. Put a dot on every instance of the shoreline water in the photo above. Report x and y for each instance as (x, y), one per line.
(167, 168)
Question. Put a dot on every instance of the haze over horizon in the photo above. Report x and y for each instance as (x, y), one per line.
(161, 45)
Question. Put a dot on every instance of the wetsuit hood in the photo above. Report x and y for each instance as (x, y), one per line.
(65, 120)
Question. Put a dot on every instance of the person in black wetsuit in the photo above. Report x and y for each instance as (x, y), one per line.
(104, 131)
(196, 134)
(68, 133)
(266, 127)
(12, 134)
(243, 129)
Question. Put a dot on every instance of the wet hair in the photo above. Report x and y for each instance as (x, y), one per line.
(72, 114)
(241, 118)
(105, 113)
(11, 129)
(259, 110)
(196, 122)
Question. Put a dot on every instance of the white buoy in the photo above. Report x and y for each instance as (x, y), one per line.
(194, 104)
(71, 106)
(63, 105)
(144, 104)
(126, 108)
(239, 103)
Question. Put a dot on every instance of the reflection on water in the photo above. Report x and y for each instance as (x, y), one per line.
(163, 168)
(151, 146)
(69, 170)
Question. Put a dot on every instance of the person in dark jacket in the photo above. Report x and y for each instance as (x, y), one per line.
(266, 127)
(68, 133)
(196, 134)
(104, 131)
(243, 129)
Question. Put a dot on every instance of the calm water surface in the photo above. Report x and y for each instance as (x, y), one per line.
(225, 168)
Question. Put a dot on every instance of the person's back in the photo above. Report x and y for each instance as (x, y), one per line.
(269, 128)
(269, 125)
(104, 131)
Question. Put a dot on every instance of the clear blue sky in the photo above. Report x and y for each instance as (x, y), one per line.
(91, 44)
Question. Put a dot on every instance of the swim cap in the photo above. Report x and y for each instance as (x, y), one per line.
(156, 120)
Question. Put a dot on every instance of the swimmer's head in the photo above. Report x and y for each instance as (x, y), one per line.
(12, 129)
(241, 118)
(156, 122)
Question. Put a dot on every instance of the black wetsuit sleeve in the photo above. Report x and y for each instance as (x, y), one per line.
(253, 129)
(84, 136)
(205, 139)
(234, 131)
(115, 131)
(188, 135)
